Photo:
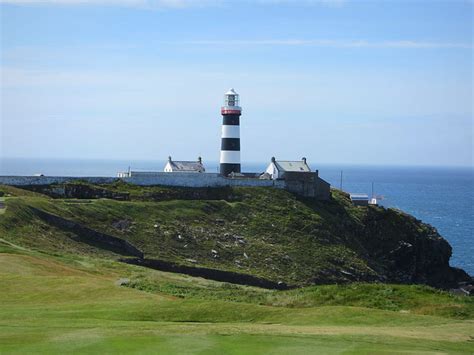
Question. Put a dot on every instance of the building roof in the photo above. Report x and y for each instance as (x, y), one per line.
(359, 197)
(296, 166)
(186, 165)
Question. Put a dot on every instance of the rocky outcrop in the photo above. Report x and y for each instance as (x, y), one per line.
(402, 249)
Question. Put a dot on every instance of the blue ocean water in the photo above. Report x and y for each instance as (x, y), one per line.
(442, 197)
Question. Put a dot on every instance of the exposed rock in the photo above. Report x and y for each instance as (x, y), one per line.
(122, 224)
(405, 250)
(122, 282)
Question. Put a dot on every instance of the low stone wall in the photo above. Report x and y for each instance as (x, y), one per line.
(212, 274)
(199, 180)
(304, 184)
(89, 236)
(165, 179)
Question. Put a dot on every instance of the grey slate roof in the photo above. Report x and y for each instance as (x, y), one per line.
(359, 197)
(187, 166)
(297, 166)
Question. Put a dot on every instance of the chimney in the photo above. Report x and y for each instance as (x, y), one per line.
(304, 160)
(200, 160)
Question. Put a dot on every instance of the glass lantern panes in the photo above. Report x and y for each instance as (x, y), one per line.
(231, 100)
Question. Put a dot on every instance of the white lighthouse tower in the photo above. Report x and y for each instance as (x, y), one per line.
(230, 145)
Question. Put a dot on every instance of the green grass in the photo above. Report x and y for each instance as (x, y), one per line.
(414, 299)
(283, 239)
(61, 296)
(70, 304)
(259, 231)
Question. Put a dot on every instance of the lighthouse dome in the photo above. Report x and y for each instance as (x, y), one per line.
(231, 92)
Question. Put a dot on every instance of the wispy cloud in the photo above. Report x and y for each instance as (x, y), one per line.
(332, 43)
(172, 3)
(333, 3)
(131, 3)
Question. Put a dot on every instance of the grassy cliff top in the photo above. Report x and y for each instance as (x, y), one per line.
(263, 232)
(62, 292)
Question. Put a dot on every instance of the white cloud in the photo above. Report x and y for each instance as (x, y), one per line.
(132, 3)
(333, 3)
(334, 43)
(172, 3)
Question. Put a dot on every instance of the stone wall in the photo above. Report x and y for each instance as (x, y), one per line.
(199, 180)
(323, 189)
(165, 179)
(307, 184)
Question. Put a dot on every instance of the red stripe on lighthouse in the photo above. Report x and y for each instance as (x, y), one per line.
(228, 111)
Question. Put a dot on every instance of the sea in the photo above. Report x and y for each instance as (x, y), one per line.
(440, 196)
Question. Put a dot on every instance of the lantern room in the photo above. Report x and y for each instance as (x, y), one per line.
(231, 98)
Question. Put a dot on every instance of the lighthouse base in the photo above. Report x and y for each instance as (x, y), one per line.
(226, 169)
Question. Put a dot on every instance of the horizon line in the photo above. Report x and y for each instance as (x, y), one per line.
(400, 165)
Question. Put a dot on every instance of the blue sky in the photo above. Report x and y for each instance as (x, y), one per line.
(361, 82)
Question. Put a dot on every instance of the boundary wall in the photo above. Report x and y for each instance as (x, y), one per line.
(160, 178)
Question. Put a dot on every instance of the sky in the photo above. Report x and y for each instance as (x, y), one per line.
(336, 81)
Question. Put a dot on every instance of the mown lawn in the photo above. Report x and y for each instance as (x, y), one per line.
(66, 304)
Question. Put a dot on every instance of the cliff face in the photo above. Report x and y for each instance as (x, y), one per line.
(403, 249)
(264, 235)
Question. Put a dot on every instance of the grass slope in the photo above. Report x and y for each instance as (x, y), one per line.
(73, 304)
(59, 295)
(267, 233)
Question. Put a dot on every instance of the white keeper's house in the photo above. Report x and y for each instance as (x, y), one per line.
(175, 166)
(277, 168)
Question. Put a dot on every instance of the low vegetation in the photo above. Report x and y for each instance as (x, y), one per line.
(263, 232)
(66, 303)
(60, 294)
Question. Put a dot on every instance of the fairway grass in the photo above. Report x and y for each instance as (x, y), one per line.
(57, 305)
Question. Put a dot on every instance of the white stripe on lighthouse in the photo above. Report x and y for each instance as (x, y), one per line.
(230, 157)
(230, 131)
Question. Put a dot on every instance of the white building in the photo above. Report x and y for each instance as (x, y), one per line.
(174, 166)
(278, 168)
(359, 199)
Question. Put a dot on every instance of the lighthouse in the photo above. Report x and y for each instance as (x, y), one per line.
(230, 145)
